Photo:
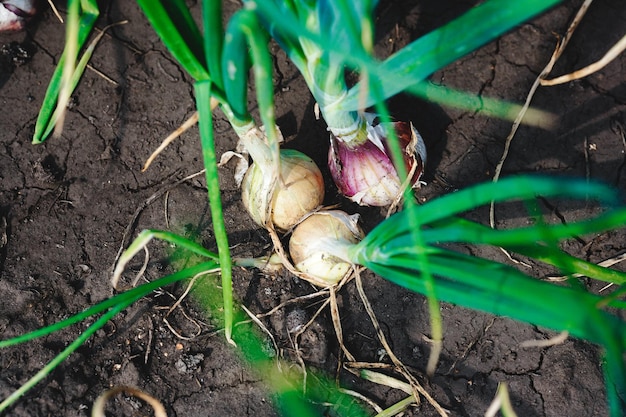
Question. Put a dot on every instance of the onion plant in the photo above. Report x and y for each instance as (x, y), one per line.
(317, 35)
(324, 39)
(390, 251)
(309, 32)
(482, 284)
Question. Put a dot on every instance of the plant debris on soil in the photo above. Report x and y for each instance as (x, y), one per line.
(65, 206)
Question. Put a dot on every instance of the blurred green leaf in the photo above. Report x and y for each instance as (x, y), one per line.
(446, 44)
(85, 13)
(174, 24)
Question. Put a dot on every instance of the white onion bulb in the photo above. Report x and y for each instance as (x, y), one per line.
(298, 190)
(320, 245)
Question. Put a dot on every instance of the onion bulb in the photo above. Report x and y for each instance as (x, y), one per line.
(364, 172)
(320, 245)
(297, 190)
(15, 13)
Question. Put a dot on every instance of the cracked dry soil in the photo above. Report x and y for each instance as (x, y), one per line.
(64, 207)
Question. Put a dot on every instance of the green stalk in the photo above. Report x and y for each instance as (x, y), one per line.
(417, 240)
(497, 289)
(520, 187)
(174, 24)
(470, 232)
(393, 251)
(323, 72)
(446, 44)
(219, 74)
(235, 65)
(86, 11)
(122, 298)
(213, 39)
(205, 122)
(406, 69)
(115, 305)
(327, 84)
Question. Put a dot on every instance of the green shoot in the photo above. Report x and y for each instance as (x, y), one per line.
(81, 18)
(417, 240)
(174, 24)
(309, 35)
(288, 396)
(391, 251)
(203, 99)
(110, 307)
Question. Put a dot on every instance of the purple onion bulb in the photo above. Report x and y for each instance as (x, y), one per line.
(15, 13)
(365, 172)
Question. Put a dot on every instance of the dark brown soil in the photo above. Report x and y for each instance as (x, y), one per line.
(68, 202)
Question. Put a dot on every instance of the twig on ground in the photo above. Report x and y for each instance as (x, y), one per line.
(334, 312)
(292, 301)
(100, 403)
(262, 326)
(177, 303)
(547, 69)
(103, 75)
(612, 53)
(363, 398)
(556, 340)
(606, 263)
(187, 124)
(400, 367)
(55, 11)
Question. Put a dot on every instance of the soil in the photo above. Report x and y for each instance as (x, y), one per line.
(65, 206)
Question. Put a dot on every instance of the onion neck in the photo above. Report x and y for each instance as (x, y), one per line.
(340, 248)
(240, 125)
(326, 80)
(348, 127)
(254, 141)
(328, 85)
(357, 253)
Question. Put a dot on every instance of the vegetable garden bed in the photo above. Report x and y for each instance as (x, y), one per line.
(67, 204)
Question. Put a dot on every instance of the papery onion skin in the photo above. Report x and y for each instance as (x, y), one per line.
(15, 13)
(365, 172)
(300, 189)
(319, 246)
